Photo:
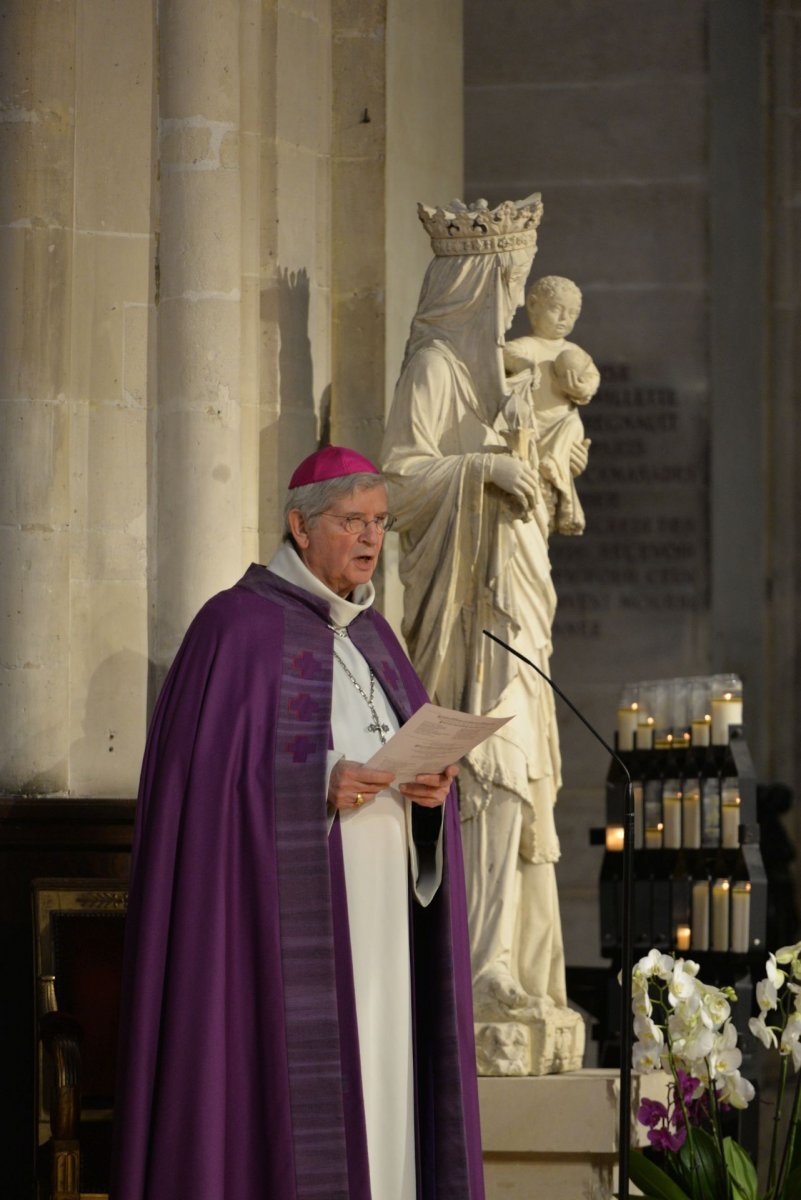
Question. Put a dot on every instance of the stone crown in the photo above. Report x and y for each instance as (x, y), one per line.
(476, 228)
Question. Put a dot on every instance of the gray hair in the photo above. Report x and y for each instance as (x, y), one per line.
(550, 286)
(312, 499)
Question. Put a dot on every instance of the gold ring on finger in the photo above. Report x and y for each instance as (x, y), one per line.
(359, 799)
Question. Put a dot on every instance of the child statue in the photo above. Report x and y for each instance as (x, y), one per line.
(556, 376)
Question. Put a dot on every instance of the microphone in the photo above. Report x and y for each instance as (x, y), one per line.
(626, 949)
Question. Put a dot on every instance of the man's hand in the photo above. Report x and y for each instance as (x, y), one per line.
(514, 476)
(430, 790)
(352, 783)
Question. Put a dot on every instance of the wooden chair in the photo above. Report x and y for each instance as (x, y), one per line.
(78, 937)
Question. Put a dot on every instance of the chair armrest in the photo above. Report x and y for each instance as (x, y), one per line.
(61, 1036)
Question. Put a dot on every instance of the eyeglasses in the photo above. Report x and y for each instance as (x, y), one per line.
(355, 524)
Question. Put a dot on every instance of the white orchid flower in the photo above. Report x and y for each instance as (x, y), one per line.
(688, 1006)
(640, 998)
(790, 1043)
(680, 1024)
(725, 1057)
(682, 985)
(698, 1045)
(788, 953)
(766, 994)
(685, 1020)
(775, 973)
(646, 1057)
(655, 963)
(736, 1091)
(647, 1030)
(763, 1032)
(715, 1008)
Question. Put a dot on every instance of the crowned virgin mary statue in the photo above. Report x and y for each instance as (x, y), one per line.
(461, 463)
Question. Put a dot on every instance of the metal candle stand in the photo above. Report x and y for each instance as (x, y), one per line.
(691, 900)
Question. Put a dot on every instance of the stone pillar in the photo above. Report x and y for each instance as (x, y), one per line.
(295, 249)
(424, 100)
(397, 139)
(36, 217)
(196, 442)
(112, 319)
(358, 177)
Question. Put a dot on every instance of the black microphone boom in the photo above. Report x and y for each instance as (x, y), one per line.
(626, 954)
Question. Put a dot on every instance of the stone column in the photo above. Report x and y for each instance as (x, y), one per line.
(36, 218)
(397, 139)
(112, 318)
(196, 446)
(295, 246)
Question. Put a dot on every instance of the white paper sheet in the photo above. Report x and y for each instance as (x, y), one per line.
(431, 740)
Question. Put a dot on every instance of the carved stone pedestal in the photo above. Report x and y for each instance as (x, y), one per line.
(556, 1136)
(549, 1045)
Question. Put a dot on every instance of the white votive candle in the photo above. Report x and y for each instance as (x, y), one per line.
(691, 805)
(701, 731)
(700, 926)
(726, 710)
(653, 837)
(720, 914)
(730, 822)
(740, 917)
(645, 734)
(683, 937)
(627, 719)
(671, 818)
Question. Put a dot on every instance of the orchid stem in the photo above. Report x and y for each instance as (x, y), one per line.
(789, 1145)
(714, 1112)
(683, 1107)
(777, 1117)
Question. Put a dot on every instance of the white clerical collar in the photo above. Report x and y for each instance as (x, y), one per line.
(287, 563)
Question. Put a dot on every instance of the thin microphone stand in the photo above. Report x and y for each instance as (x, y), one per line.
(626, 954)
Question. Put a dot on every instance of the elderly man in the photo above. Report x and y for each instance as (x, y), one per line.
(298, 1016)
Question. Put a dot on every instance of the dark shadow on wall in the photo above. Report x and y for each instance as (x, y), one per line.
(108, 733)
(298, 429)
(297, 426)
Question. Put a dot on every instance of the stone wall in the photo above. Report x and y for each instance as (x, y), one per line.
(782, 367)
(75, 366)
(197, 286)
(646, 128)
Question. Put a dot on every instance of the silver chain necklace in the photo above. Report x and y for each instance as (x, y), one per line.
(376, 726)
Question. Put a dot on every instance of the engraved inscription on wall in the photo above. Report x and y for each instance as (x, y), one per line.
(642, 564)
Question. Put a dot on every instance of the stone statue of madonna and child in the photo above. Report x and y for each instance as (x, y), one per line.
(482, 446)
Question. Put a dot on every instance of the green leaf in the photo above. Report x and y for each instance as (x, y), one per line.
(792, 1185)
(705, 1169)
(742, 1171)
(652, 1180)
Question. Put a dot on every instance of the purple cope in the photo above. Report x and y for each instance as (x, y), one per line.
(239, 1069)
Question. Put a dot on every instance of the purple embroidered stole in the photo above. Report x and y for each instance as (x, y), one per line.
(305, 885)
